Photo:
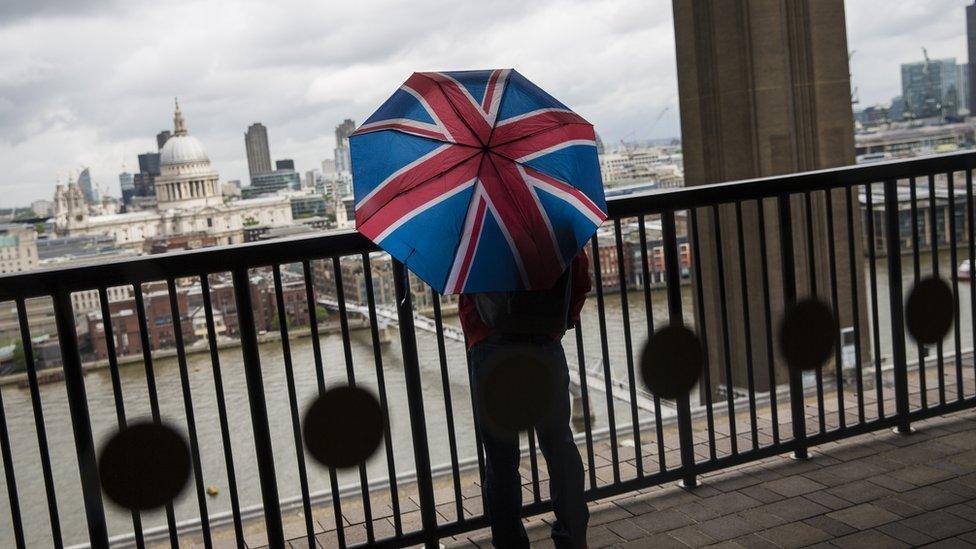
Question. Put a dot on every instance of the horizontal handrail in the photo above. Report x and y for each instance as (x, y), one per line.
(41, 282)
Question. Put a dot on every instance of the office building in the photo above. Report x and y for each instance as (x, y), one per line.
(258, 152)
(161, 139)
(929, 88)
(87, 189)
(971, 48)
(285, 164)
(263, 184)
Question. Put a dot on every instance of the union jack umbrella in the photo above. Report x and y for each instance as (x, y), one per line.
(477, 181)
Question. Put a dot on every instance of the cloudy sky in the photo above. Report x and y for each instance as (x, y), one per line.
(90, 82)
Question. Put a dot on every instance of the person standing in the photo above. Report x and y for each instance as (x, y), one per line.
(536, 321)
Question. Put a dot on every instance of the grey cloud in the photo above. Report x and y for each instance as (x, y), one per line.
(91, 82)
(15, 11)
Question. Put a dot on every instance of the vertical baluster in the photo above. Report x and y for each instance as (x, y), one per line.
(767, 320)
(835, 305)
(39, 424)
(875, 321)
(893, 241)
(649, 319)
(191, 425)
(293, 404)
(113, 366)
(313, 324)
(74, 383)
(686, 441)
(415, 403)
(703, 333)
(381, 387)
(747, 325)
(797, 402)
(726, 344)
(954, 276)
(479, 450)
(235, 505)
(971, 240)
(448, 405)
(934, 246)
(259, 410)
(584, 394)
(917, 271)
(351, 379)
(8, 470)
(628, 346)
(604, 349)
(153, 395)
(854, 261)
(812, 277)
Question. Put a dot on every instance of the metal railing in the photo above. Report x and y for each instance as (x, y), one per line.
(756, 247)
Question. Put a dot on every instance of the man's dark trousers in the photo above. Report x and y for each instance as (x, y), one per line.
(503, 485)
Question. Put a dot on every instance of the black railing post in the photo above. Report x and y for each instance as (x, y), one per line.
(686, 441)
(74, 382)
(415, 403)
(797, 401)
(259, 409)
(893, 248)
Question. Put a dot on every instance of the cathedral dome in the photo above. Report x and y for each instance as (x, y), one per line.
(182, 149)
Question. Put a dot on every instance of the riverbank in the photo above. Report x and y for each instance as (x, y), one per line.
(50, 375)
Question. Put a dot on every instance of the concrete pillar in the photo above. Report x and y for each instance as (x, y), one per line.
(764, 89)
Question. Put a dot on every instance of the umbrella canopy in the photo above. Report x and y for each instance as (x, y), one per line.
(477, 181)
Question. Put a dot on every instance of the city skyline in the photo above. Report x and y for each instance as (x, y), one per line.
(58, 113)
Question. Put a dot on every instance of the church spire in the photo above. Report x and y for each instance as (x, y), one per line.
(179, 125)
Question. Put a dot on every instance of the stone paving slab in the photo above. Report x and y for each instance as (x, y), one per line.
(790, 507)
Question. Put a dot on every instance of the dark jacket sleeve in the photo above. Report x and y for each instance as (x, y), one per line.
(581, 285)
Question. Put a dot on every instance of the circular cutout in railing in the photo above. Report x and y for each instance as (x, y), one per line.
(671, 361)
(144, 466)
(343, 427)
(807, 334)
(928, 310)
(517, 389)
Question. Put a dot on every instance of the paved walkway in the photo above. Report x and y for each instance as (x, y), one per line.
(875, 490)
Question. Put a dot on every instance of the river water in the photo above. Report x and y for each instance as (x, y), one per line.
(20, 419)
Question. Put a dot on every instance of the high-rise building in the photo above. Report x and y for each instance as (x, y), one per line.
(962, 87)
(85, 184)
(342, 133)
(144, 182)
(763, 90)
(971, 65)
(161, 139)
(285, 164)
(311, 179)
(343, 160)
(258, 152)
(929, 88)
(127, 187)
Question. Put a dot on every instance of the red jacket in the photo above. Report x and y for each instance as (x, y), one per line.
(475, 329)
